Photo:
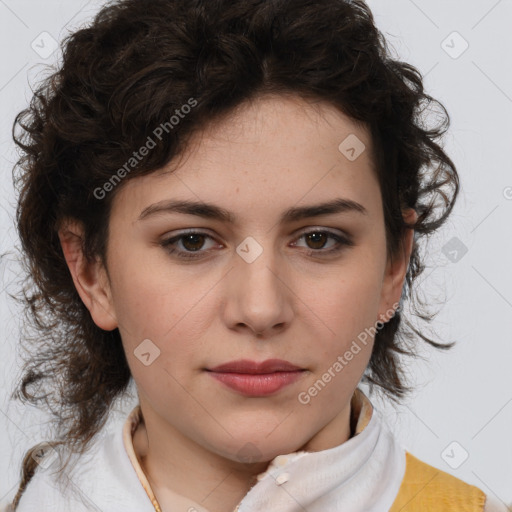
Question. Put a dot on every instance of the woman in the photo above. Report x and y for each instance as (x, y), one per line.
(223, 202)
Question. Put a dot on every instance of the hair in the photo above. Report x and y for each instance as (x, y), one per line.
(137, 64)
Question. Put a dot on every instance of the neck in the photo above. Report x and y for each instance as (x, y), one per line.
(175, 464)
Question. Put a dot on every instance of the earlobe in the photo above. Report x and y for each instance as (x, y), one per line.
(396, 270)
(89, 277)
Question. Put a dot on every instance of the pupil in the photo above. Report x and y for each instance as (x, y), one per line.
(190, 238)
(312, 237)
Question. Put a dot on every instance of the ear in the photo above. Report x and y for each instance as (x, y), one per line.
(396, 270)
(90, 277)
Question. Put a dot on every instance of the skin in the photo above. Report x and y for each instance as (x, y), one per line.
(290, 303)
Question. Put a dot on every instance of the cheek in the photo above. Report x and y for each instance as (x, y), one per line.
(348, 304)
(347, 300)
(148, 300)
(152, 305)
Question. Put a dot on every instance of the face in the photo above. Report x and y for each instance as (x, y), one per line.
(270, 278)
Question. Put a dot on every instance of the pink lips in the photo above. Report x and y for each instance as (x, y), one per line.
(257, 379)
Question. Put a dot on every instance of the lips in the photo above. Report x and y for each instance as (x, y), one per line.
(247, 366)
(257, 379)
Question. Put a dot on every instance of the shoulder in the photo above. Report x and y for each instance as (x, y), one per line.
(425, 487)
(100, 479)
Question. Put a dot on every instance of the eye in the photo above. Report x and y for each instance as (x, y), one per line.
(316, 239)
(191, 241)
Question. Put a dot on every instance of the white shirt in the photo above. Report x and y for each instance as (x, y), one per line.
(362, 474)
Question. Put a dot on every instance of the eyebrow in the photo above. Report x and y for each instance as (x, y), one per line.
(214, 212)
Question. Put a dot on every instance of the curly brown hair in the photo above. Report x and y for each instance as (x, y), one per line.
(127, 73)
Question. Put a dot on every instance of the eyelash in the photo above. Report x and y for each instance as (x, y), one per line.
(342, 242)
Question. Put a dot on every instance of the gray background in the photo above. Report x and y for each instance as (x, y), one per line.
(463, 402)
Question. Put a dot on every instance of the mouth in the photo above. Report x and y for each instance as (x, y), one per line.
(251, 378)
(247, 366)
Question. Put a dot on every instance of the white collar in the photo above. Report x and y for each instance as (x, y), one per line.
(363, 473)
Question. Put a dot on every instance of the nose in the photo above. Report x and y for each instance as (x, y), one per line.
(259, 296)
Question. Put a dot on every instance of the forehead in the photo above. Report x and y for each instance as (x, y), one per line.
(269, 126)
(273, 150)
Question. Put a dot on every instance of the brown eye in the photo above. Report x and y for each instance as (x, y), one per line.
(193, 242)
(317, 239)
(188, 245)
